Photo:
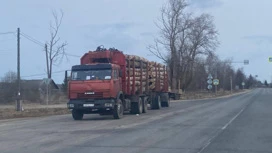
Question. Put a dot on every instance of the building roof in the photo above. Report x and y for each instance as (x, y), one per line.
(38, 83)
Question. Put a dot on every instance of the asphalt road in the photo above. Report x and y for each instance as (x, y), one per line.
(238, 124)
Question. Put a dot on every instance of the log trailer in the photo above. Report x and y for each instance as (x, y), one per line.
(108, 82)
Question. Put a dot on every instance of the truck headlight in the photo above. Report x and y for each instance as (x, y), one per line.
(108, 104)
(71, 105)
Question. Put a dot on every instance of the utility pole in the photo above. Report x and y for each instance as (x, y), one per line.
(46, 55)
(47, 91)
(18, 102)
(216, 78)
(231, 84)
(47, 67)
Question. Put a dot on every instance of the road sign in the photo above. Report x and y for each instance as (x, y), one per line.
(270, 59)
(215, 82)
(210, 76)
(243, 83)
(209, 87)
(46, 81)
(246, 62)
(209, 81)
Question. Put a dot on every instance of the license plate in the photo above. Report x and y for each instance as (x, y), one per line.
(88, 105)
(89, 93)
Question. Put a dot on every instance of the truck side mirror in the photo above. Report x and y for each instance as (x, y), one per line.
(120, 73)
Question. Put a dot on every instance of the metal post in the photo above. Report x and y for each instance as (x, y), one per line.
(47, 68)
(47, 91)
(215, 78)
(18, 102)
(46, 56)
(231, 84)
(66, 81)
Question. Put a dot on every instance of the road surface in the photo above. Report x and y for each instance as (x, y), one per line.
(238, 124)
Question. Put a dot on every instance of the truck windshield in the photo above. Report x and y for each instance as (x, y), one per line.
(91, 75)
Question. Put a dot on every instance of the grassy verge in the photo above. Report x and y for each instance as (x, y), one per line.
(9, 113)
(207, 95)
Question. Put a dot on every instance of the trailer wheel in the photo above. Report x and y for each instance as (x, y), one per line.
(156, 103)
(118, 110)
(176, 96)
(137, 107)
(144, 105)
(165, 102)
(77, 115)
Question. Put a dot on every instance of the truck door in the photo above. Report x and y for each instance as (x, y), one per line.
(116, 82)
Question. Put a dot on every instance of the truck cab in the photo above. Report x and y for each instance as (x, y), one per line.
(93, 88)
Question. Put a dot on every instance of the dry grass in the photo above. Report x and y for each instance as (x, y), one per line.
(8, 113)
(203, 95)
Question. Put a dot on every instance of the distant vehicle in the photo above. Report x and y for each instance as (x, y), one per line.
(108, 82)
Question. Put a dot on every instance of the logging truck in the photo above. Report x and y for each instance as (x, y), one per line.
(108, 82)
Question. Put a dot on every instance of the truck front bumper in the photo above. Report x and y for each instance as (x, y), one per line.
(92, 106)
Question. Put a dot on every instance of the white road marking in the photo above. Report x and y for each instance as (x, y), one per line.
(222, 129)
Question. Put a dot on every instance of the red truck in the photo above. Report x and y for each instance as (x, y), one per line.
(108, 82)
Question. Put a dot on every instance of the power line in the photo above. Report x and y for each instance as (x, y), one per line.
(6, 33)
(32, 39)
(42, 74)
(41, 44)
(73, 55)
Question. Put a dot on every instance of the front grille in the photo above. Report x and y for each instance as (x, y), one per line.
(88, 96)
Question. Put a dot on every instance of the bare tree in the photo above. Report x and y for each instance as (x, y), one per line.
(201, 41)
(8, 87)
(239, 78)
(56, 50)
(169, 25)
(9, 77)
(199, 75)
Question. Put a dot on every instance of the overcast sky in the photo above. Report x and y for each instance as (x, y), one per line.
(244, 27)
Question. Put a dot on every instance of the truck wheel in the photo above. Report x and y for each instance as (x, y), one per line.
(77, 115)
(144, 105)
(118, 110)
(176, 96)
(165, 102)
(156, 103)
(137, 107)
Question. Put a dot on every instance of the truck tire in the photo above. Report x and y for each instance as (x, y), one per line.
(77, 115)
(144, 105)
(137, 107)
(174, 96)
(118, 110)
(165, 102)
(156, 102)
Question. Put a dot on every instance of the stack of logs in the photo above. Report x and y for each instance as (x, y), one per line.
(145, 73)
(161, 74)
